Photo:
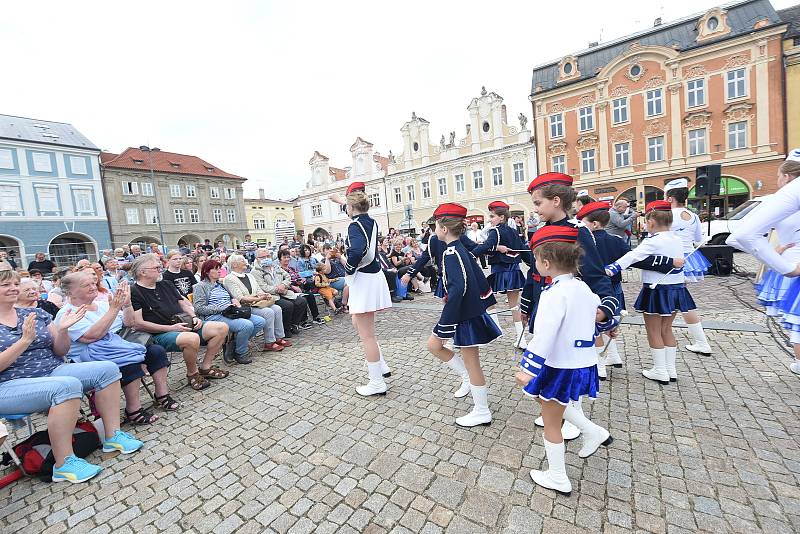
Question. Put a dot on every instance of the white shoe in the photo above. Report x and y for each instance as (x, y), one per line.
(671, 355)
(386, 371)
(480, 414)
(659, 370)
(593, 434)
(613, 357)
(601, 368)
(457, 365)
(699, 348)
(539, 421)
(463, 390)
(795, 367)
(699, 341)
(376, 384)
(568, 430)
(555, 478)
(519, 336)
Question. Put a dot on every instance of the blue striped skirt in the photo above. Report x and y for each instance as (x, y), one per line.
(696, 266)
(506, 277)
(772, 290)
(480, 330)
(790, 307)
(560, 385)
(665, 299)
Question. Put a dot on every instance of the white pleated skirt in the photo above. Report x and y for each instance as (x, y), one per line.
(369, 292)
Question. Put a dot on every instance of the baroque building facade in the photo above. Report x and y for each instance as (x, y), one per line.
(791, 61)
(269, 221)
(627, 116)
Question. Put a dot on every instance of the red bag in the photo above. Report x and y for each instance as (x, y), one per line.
(36, 454)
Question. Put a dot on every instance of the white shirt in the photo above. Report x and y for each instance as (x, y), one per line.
(77, 350)
(749, 234)
(661, 244)
(571, 307)
(689, 232)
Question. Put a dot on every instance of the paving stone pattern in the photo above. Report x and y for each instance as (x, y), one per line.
(285, 445)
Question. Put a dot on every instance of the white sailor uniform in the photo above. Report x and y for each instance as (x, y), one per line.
(690, 232)
(368, 288)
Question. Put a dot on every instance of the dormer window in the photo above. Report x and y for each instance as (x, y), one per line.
(210, 169)
(485, 126)
(416, 146)
(174, 165)
(568, 69)
(139, 161)
(712, 25)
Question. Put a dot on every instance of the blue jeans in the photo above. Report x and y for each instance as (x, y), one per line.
(66, 382)
(242, 329)
(338, 284)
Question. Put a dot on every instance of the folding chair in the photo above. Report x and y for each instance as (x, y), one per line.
(16, 421)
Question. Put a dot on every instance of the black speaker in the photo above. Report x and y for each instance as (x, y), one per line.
(708, 181)
(720, 257)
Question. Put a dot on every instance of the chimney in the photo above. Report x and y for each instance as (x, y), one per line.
(657, 22)
(261, 194)
(593, 44)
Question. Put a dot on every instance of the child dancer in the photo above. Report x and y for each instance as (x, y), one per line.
(559, 366)
(506, 276)
(670, 296)
(434, 250)
(687, 226)
(595, 216)
(464, 319)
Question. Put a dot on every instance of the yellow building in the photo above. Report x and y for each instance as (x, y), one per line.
(269, 221)
(791, 61)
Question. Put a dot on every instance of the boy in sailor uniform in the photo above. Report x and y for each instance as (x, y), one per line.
(500, 245)
(686, 225)
(558, 367)
(660, 304)
(467, 295)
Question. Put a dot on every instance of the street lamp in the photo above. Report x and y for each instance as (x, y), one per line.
(145, 148)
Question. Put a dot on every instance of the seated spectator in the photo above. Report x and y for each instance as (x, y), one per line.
(136, 251)
(275, 281)
(243, 287)
(43, 285)
(34, 378)
(333, 267)
(211, 299)
(95, 338)
(388, 269)
(318, 255)
(177, 274)
(103, 292)
(323, 285)
(120, 256)
(402, 262)
(298, 285)
(306, 264)
(56, 295)
(42, 264)
(29, 297)
(429, 270)
(198, 265)
(5, 257)
(156, 249)
(156, 303)
(112, 275)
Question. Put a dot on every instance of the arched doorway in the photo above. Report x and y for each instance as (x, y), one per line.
(732, 192)
(230, 241)
(189, 240)
(69, 247)
(144, 242)
(651, 193)
(14, 248)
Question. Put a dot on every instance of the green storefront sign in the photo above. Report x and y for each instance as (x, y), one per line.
(729, 186)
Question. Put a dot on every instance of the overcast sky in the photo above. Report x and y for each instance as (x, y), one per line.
(255, 87)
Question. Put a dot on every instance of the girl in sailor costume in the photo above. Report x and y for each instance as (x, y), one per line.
(559, 366)
(501, 245)
(686, 224)
(782, 212)
(368, 289)
(660, 304)
(434, 250)
(467, 295)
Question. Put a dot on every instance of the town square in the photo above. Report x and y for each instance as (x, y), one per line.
(575, 310)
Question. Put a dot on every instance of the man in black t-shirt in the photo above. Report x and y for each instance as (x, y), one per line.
(183, 279)
(42, 264)
(207, 246)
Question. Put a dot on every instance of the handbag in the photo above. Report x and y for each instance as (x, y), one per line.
(136, 336)
(266, 302)
(234, 312)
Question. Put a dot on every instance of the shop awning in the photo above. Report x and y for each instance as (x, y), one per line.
(729, 186)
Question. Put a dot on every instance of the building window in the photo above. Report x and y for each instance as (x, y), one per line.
(48, 200)
(42, 162)
(697, 142)
(497, 176)
(259, 224)
(374, 200)
(442, 182)
(191, 191)
(132, 215)
(460, 185)
(586, 119)
(737, 135)
(655, 102)
(217, 214)
(194, 216)
(83, 201)
(519, 173)
(179, 218)
(398, 196)
(130, 188)
(696, 93)
(559, 164)
(736, 84)
(230, 193)
(213, 192)
(10, 203)
(587, 160)
(231, 215)
(77, 165)
(7, 159)
(477, 179)
(655, 149)
(622, 153)
(426, 190)
(147, 189)
(175, 190)
(316, 210)
(411, 194)
(150, 216)
(619, 107)
(556, 126)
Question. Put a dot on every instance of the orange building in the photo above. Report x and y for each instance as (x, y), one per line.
(625, 117)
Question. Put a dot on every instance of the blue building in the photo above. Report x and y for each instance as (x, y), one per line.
(51, 196)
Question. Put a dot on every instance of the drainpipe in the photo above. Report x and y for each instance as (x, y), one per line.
(533, 133)
(105, 203)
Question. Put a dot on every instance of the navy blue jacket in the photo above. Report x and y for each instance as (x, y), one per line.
(362, 236)
(467, 293)
(611, 248)
(435, 249)
(503, 235)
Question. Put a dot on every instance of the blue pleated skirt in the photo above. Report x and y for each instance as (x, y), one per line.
(564, 385)
(616, 289)
(790, 307)
(772, 290)
(506, 277)
(696, 266)
(439, 291)
(665, 299)
(480, 330)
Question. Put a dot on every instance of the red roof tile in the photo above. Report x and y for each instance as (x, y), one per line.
(383, 161)
(167, 162)
(338, 174)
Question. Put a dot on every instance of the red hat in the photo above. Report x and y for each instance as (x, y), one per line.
(450, 209)
(355, 186)
(592, 207)
(658, 205)
(549, 178)
(552, 233)
(498, 204)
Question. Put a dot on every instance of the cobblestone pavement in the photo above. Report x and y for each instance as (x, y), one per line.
(285, 445)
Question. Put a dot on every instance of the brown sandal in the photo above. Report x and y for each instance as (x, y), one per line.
(214, 373)
(197, 382)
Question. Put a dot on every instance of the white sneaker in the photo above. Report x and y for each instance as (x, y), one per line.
(376, 384)
(568, 430)
(539, 421)
(795, 367)
(699, 348)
